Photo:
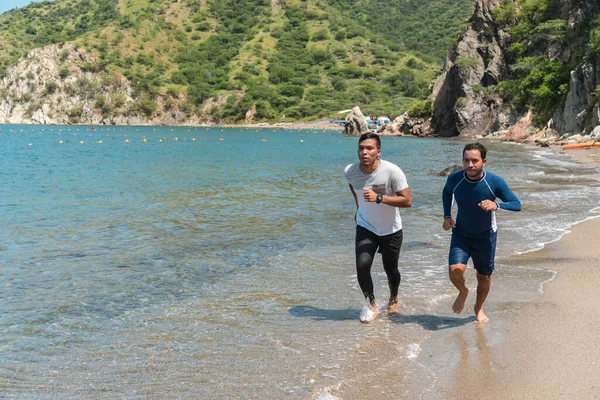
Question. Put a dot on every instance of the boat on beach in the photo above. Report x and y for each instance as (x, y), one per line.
(581, 145)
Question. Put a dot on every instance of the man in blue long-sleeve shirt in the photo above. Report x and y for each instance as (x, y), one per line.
(478, 194)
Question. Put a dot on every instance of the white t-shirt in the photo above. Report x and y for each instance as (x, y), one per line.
(387, 179)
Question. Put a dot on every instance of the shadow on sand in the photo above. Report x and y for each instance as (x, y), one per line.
(320, 314)
(431, 322)
(428, 322)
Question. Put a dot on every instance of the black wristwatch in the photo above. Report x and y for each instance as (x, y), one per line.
(379, 198)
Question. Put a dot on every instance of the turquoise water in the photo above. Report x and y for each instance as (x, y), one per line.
(185, 266)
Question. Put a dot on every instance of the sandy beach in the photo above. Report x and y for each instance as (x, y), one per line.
(323, 124)
(545, 349)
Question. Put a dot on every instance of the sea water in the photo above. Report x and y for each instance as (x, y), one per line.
(140, 262)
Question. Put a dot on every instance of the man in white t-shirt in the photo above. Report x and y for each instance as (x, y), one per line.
(379, 189)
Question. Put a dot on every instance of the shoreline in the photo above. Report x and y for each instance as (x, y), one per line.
(326, 125)
(318, 125)
(538, 139)
(543, 348)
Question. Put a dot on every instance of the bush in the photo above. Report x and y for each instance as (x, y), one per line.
(313, 79)
(466, 62)
(340, 52)
(339, 84)
(51, 87)
(102, 105)
(317, 93)
(144, 59)
(75, 114)
(281, 74)
(33, 107)
(203, 26)
(118, 101)
(175, 90)
(421, 109)
(145, 106)
(63, 73)
(505, 14)
(291, 90)
(320, 55)
(352, 71)
(319, 35)
(340, 35)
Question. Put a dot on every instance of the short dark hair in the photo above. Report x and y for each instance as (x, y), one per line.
(370, 135)
(476, 146)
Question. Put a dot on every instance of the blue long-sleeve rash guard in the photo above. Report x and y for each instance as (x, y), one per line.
(468, 194)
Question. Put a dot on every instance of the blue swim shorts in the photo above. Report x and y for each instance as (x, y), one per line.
(480, 248)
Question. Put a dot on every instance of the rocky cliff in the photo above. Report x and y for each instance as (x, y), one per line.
(579, 113)
(466, 104)
(61, 84)
(58, 85)
(463, 103)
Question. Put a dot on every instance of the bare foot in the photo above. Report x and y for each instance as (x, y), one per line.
(392, 306)
(481, 317)
(459, 303)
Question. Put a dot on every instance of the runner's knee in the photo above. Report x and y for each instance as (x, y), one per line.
(364, 261)
(456, 270)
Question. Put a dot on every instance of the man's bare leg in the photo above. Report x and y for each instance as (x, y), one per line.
(457, 277)
(374, 307)
(392, 305)
(484, 282)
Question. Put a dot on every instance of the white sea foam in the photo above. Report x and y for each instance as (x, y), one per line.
(367, 314)
(413, 351)
(563, 231)
(536, 173)
(326, 395)
(439, 298)
(560, 163)
(541, 288)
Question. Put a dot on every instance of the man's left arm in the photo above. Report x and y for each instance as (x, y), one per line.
(399, 185)
(402, 198)
(509, 201)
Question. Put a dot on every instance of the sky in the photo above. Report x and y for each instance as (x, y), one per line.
(6, 5)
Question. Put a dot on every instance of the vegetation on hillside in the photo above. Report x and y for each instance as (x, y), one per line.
(539, 77)
(293, 59)
(428, 28)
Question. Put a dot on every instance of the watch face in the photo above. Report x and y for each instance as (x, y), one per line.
(379, 198)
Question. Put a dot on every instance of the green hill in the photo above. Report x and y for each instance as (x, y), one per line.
(293, 59)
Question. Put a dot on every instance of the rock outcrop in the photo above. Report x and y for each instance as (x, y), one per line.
(579, 113)
(445, 171)
(463, 103)
(250, 113)
(407, 125)
(356, 123)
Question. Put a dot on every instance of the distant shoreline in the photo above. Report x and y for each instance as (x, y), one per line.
(326, 125)
(320, 124)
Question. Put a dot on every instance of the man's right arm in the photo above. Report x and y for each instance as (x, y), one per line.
(354, 194)
(447, 204)
(355, 200)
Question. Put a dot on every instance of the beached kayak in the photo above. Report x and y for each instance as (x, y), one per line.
(580, 145)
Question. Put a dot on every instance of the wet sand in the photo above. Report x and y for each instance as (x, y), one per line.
(545, 349)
